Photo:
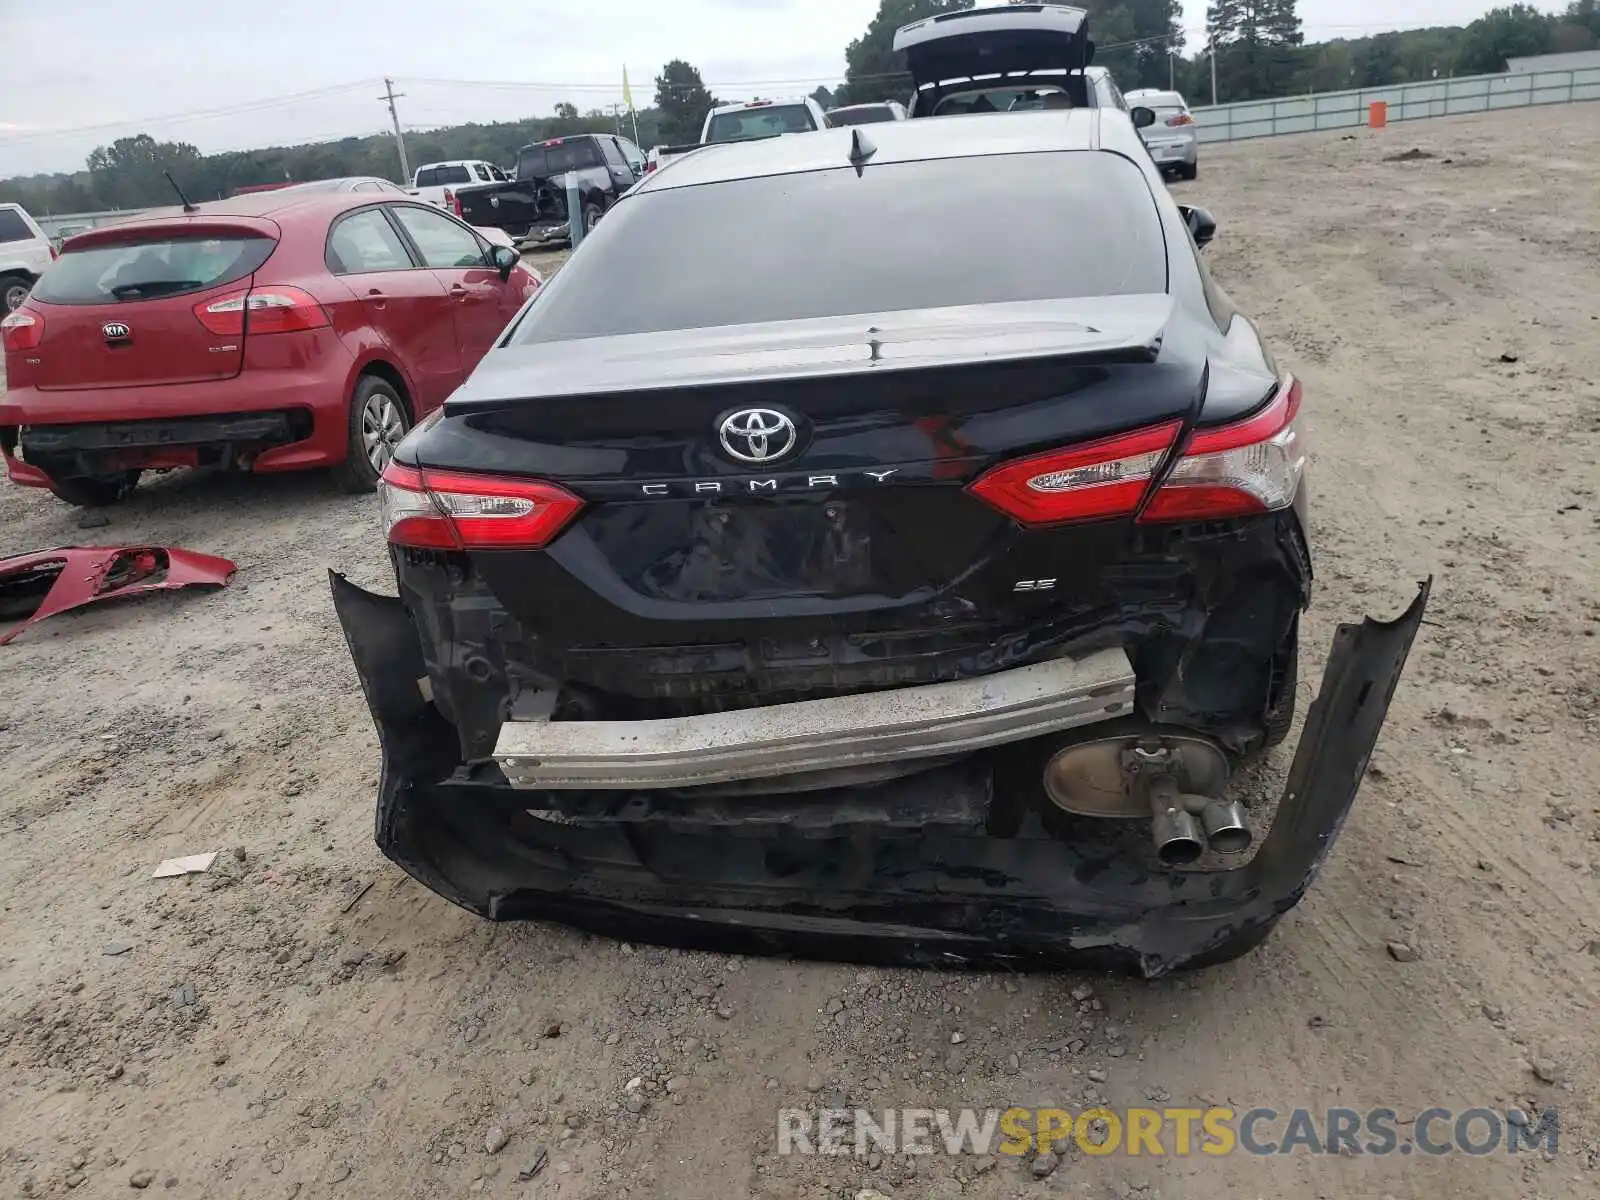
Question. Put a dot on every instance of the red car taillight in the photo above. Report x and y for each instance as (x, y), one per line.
(452, 202)
(22, 331)
(648, 167)
(1251, 466)
(278, 309)
(449, 510)
(1180, 119)
(54, 254)
(1105, 478)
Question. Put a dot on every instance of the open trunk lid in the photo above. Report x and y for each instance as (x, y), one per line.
(119, 308)
(1000, 40)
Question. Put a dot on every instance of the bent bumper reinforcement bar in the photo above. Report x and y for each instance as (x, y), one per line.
(900, 873)
(817, 735)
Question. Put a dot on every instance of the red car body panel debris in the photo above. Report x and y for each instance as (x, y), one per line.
(74, 576)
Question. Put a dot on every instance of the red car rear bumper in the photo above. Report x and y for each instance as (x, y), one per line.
(282, 419)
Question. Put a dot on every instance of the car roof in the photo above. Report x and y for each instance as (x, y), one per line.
(903, 141)
(284, 206)
(1157, 94)
(452, 162)
(772, 103)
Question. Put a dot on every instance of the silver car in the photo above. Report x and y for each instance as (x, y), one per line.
(1171, 137)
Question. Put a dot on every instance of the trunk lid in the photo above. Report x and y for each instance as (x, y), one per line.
(119, 306)
(811, 468)
(999, 40)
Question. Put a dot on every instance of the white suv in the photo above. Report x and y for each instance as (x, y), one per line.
(25, 253)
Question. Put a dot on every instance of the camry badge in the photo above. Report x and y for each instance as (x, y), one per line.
(757, 435)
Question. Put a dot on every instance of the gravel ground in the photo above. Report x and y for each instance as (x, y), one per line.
(305, 1021)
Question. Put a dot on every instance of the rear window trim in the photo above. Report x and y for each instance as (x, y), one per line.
(763, 108)
(52, 280)
(1141, 166)
(30, 232)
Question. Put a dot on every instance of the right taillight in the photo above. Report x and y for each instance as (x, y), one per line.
(22, 331)
(1180, 119)
(454, 510)
(1252, 466)
(278, 309)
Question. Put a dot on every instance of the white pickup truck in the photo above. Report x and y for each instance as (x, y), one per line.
(25, 253)
(435, 182)
(747, 121)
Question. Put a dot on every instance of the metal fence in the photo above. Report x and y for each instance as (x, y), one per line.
(66, 224)
(1406, 101)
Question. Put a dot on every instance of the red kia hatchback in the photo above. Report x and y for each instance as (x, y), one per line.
(270, 332)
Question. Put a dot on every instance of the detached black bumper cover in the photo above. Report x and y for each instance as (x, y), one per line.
(911, 881)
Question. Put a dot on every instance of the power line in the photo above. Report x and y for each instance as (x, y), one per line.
(193, 115)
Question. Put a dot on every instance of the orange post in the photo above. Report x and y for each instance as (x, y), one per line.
(1377, 114)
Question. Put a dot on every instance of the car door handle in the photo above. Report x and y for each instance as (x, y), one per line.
(375, 298)
(458, 291)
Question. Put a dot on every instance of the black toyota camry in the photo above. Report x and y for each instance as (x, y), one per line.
(881, 544)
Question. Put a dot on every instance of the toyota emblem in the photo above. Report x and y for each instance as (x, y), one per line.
(757, 435)
(116, 331)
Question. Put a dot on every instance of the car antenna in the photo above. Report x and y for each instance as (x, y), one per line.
(861, 149)
(187, 207)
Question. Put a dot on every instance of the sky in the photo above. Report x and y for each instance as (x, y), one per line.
(237, 76)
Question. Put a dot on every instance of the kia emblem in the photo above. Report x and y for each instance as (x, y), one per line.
(116, 331)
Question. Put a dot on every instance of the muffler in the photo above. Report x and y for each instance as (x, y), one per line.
(1176, 833)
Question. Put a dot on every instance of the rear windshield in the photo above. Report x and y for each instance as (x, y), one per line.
(542, 161)
(750, 123)
(867, 114)
(13, 228)
(438, 176)
(149, 270)
(825, 243)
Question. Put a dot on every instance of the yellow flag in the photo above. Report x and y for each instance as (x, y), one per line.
(627, 92)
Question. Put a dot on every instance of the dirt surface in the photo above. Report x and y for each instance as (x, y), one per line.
(345, 1033)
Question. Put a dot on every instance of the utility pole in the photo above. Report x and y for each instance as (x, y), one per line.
(1213, 57)
(391, 96)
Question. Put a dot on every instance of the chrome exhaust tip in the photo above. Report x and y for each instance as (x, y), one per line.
(1225, 827)
(1173, 828)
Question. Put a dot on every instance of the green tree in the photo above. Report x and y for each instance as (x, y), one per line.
(1379, 64)
(873, 71)
(129, 172)
(823, 97)
(683, 101)
(1257, 46)
(1503, 33)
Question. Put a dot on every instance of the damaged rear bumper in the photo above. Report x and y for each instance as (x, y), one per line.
(906, 871)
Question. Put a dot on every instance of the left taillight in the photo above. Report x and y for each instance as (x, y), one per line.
(455, 510)
(22, 331)
(1104, 478)
(279, 309)
(452, 202)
